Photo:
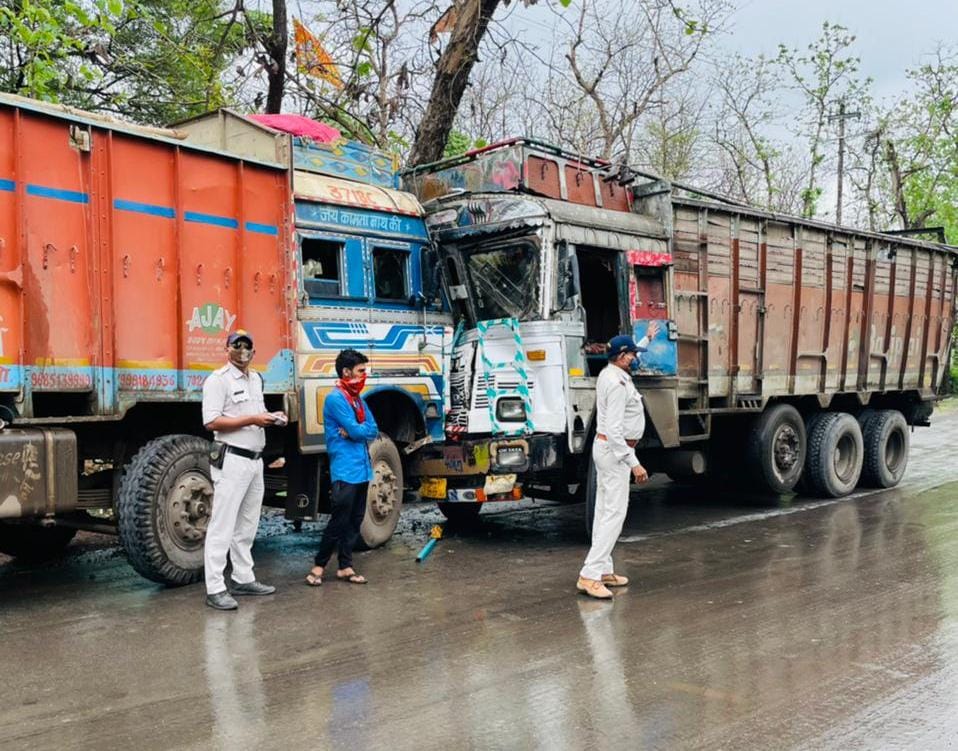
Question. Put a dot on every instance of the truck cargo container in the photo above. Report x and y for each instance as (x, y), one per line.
(789, 351)
(126, 256)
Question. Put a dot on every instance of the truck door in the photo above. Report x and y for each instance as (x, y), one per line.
(650, 296)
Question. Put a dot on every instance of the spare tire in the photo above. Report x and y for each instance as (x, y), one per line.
(886, 439)
(835, 455)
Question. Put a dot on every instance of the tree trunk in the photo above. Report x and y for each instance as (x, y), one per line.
(452, 77)
(276, 47)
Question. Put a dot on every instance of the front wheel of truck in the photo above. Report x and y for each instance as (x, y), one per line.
(384, 499)
(163, 508)
(32, 543)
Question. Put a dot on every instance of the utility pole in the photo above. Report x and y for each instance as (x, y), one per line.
(841, 116)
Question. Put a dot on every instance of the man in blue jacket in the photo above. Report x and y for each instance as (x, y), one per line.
(349, 427)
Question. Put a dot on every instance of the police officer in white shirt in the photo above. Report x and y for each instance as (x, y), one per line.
(620, 423)
(233, 408)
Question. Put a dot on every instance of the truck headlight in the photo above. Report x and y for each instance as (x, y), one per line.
(511, 457)
(511, 410)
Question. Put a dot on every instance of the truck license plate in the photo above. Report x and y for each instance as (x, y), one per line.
(433, 487)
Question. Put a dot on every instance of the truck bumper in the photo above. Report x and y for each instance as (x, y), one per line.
(485, 469)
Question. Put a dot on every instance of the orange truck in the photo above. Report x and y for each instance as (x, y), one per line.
(127, 254)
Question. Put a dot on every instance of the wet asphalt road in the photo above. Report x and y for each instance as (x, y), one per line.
(811, 625)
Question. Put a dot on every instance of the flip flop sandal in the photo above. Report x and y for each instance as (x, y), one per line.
(314, 580)
(353, 578)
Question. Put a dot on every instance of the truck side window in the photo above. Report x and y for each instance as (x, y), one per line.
(390, 275)
(322, 267)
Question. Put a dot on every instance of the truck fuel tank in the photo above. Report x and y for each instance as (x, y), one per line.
(38, 472)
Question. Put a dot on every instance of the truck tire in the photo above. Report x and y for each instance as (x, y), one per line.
(33, 543)
(835, 454)
(886, 440)
(461, 513)
(385, 496)
(775, 449)
(163, 508)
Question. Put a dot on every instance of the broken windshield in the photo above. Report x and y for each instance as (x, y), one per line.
(505, 281)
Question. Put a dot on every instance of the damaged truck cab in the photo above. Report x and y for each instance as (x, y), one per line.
(776, 348)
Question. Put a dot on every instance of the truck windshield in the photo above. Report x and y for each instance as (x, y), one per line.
(505, 281)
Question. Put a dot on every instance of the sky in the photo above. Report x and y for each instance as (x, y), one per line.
(892, 34)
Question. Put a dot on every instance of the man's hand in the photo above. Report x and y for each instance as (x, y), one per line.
(263, 420)
(639, 474)
(343, 433)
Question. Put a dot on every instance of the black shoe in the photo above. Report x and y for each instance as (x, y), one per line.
(252, 588)
(221, 601)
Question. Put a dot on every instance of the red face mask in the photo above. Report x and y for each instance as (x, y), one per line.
(352, 389)
(355, 385)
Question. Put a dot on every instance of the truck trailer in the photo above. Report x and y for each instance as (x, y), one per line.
(790, 353)
(127, 255)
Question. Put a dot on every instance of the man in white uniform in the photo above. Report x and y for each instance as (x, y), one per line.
(233, 408)
(620, 423)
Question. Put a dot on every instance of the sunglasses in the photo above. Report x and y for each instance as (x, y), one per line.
(240, 345)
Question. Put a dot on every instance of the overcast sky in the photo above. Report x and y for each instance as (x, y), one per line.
(892, 34)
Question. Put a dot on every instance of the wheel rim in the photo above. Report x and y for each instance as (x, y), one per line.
(894, 451)
(382, 502)
(188, 506)
(785, 450)
(845, 457)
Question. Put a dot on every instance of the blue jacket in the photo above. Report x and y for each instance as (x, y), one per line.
(348, 457)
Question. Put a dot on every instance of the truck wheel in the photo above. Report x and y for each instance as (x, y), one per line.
(32, 543)
(835, 453)
(886, 441)
(775, 449)
(384, 499)
(460, 513)
(163, 508)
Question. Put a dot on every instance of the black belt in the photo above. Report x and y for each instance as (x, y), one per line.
(243, 452)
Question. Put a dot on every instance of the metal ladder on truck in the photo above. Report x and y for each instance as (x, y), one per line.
(516, 365)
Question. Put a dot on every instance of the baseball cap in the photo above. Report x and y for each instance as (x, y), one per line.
(237, 335)
(620, 344)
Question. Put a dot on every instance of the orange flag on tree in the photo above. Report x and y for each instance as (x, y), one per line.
(311, 58)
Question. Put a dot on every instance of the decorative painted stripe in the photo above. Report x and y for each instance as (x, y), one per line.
(73, 196)
(263, 229)
(216, 221)
(7, 185)
(341, 335)
(144, 208)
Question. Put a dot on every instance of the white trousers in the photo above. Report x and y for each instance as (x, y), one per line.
(611, 507)
(237, 501)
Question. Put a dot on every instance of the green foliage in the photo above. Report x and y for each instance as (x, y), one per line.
(167, 59)
(825, 73)
(929, 125)
(48, 46)
(459, 143)
(153, 61)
